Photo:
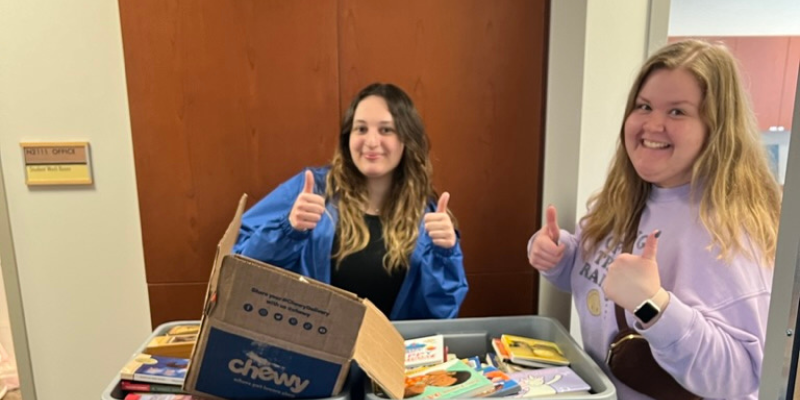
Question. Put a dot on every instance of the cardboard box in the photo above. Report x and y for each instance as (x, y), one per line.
(270, 333)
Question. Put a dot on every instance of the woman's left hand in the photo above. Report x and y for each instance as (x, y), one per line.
(439, 225)
(633, 279)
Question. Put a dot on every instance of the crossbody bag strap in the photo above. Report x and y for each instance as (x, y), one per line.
(620, 317)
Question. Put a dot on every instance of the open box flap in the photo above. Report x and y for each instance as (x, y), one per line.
(380, 352)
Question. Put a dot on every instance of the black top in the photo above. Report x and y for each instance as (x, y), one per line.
(363, 273)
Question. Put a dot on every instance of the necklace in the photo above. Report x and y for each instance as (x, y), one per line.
(375, 211)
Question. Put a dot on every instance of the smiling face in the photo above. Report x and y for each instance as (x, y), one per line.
(374, 144)
(664, 134)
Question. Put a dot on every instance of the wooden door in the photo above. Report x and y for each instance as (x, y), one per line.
(235, 96)
(763, 61)
(475, 70)
(789, 89)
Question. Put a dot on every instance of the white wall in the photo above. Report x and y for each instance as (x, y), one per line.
(616, 42)
(734, 18)
(78, 250)
(566, 56)
(595, 51)
(8, 363)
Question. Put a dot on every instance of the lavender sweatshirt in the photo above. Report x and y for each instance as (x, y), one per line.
(711, 335)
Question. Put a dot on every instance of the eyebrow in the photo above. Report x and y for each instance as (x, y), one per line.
(390, 123)
(642, 98)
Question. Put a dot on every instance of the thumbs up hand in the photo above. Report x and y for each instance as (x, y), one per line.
(631, 279)
(308, 207)
(546, 251)
(439, 225)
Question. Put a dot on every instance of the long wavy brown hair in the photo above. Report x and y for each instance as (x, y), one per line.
(411, 189)
(738, 195)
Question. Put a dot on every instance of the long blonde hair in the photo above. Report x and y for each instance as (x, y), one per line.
(409, 195)
(739, 196)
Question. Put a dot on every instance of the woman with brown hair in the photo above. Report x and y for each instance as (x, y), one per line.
(370, 222)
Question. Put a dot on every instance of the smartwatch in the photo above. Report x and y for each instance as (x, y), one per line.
(646, 311)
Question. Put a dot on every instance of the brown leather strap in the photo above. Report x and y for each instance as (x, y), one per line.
(621, 322)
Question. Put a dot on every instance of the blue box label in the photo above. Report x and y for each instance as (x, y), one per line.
(239, 368)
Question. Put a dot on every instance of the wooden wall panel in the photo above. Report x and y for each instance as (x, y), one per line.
(233, 96)
(176, 301)
(762, 63)
(476, 71)
(225, 97)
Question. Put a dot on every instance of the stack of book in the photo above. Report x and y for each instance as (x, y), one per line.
(158, 372)
(153, 396)
(539, 366)
(518, 367)
(178, 342)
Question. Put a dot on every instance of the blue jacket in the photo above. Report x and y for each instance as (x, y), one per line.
(435, 284)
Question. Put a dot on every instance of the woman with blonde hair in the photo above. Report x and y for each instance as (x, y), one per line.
(370, 222)
(679, 243)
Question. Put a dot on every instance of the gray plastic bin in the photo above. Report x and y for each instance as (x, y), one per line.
(113, 391)
(472, 337)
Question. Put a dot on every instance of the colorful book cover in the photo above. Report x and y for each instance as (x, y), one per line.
(548, 381)
(151, 396)
(184, 330)
(453, 379)
(426, 350)
(474, 362)
(533, 352)
(507, 367)
(504, 385)
(500, 349)
(179, 346)
(143, 387)
(155, 369)
(493, 360)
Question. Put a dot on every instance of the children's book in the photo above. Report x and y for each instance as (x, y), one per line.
(151, 396)
(500, 349)
(179, 346)
(493, 360)
(533, 352)
(184, 330)
(453, 379)
(143, 387)
(426, 350)
(474, 362)
(507, 367)
(503, 384)
(155, 369)
(549, 381)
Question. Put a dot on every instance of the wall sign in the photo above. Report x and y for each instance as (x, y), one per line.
(57, 163)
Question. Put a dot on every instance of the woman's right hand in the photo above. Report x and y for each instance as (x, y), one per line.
(545, 251)
(308, 208)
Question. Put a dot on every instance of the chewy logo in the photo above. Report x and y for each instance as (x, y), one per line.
(265, 373)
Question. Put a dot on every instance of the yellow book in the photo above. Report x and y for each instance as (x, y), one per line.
(533, 352)
(183, 330)
(172, 346)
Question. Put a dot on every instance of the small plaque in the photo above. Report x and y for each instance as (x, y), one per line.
(65, 163)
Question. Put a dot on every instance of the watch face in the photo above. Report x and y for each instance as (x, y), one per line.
(646, 312)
